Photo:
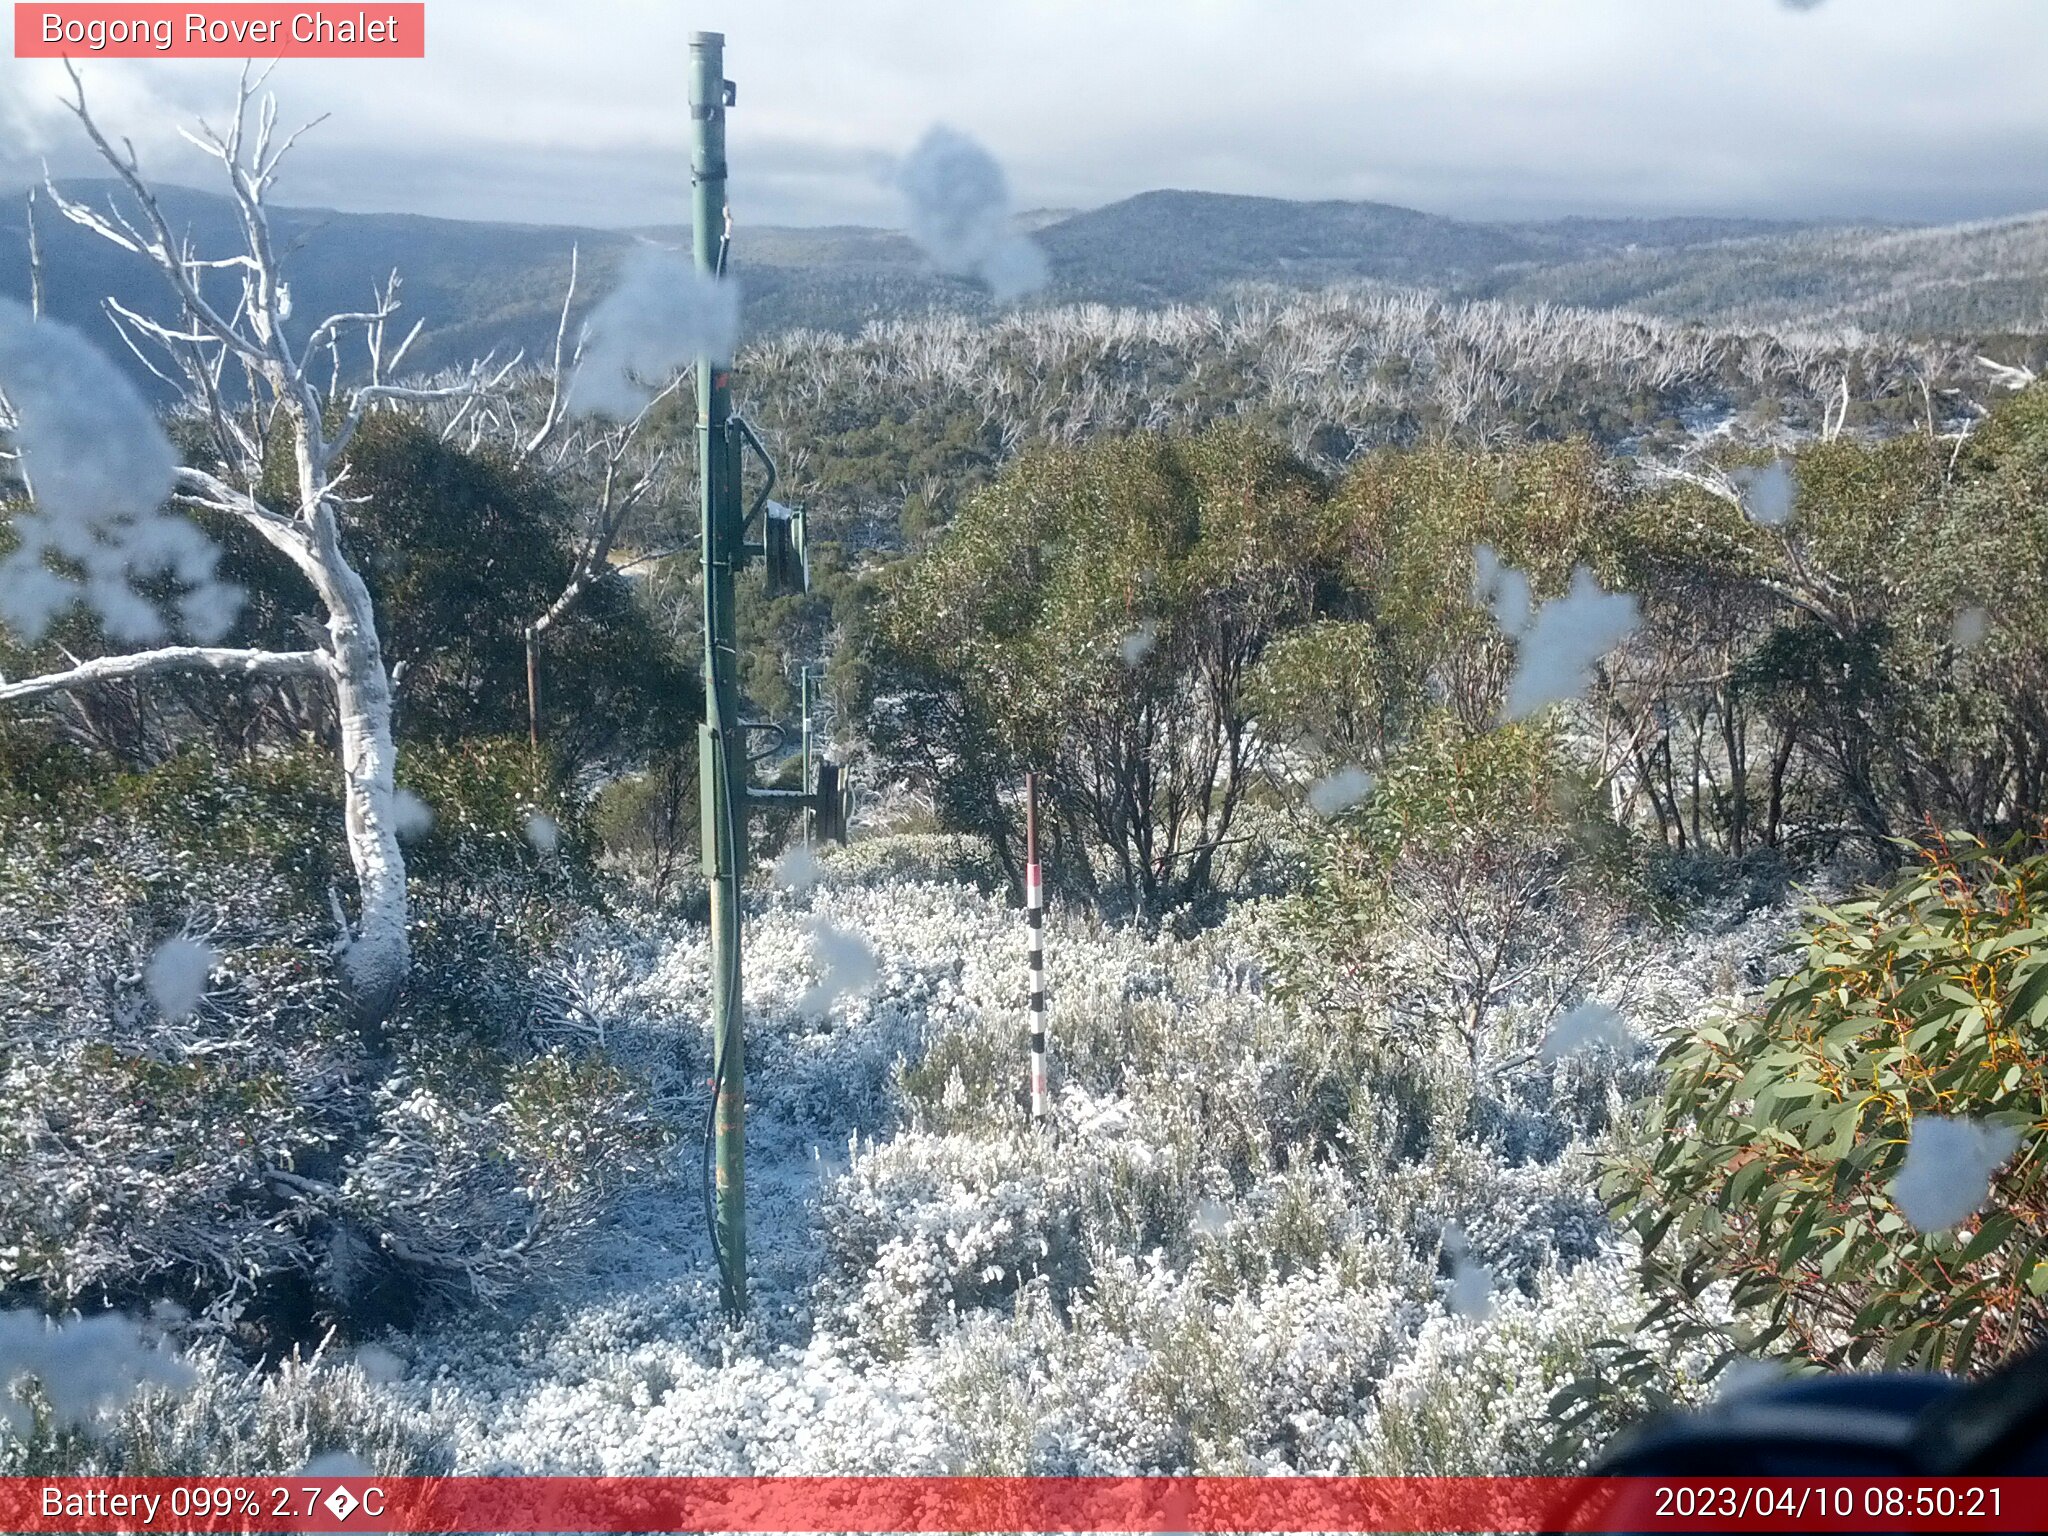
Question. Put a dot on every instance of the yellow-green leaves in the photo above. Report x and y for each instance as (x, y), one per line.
(1921, 1009)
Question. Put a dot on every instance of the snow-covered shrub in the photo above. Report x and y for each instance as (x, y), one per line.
(477, 1173)
(1473, 1396)
(1151, 1286)
(59, 1378)
(1223, 1255)
(228, 1420)
(136, 1146)
(242, 1146)
(942, 857)
(1148, 1372)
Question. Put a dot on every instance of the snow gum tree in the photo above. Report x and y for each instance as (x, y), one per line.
(1845, 1173)
(1099, 614)
(257, 393)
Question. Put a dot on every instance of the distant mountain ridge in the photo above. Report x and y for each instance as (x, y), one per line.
(485, 286)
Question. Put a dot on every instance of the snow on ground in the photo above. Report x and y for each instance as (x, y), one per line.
(1206, 1266)
(1258, 1238)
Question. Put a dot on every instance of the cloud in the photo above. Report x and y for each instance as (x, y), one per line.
(1883, 108)
(958, 202)
(662, 317)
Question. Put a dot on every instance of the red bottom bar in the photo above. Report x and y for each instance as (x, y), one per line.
(1022, 1504)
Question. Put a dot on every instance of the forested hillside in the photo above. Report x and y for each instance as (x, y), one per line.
(499, 287)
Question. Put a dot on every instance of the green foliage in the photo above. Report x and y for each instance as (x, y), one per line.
(1477, 861)
(1411, 521)
(1843, 639)
(498, 812)
(1450, 791)
(1097, 615)
(1324, 687)
(648, 821)
(1768, 1161)
(461, 552)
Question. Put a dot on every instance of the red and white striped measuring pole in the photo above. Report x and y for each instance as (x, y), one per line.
(1034, 915)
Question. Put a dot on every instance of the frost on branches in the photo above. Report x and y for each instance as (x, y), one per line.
(1247, 1250)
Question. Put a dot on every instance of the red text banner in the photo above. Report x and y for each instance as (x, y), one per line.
(217, 31)
(919, 1504)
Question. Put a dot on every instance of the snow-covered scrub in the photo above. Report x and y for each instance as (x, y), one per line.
(64, 1376)
(190, 1113)
(1337, 372)
(205, 1414)
(1229, 1253)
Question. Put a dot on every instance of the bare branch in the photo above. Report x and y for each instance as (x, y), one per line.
(172, 659)
(163, 249)
(35, 260)
(473, 384)
(2008, 375)
(557, 394)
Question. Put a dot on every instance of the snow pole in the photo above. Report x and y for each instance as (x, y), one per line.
(1034, 917)
(721, 742)
(810, 812)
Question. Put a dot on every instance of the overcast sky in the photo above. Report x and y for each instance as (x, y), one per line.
(556, 112)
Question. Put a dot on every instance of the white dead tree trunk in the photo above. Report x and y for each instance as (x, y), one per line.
(270, 391)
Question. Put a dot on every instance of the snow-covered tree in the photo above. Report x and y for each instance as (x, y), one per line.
(259, 396)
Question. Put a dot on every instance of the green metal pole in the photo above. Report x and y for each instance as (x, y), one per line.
(722, 760)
